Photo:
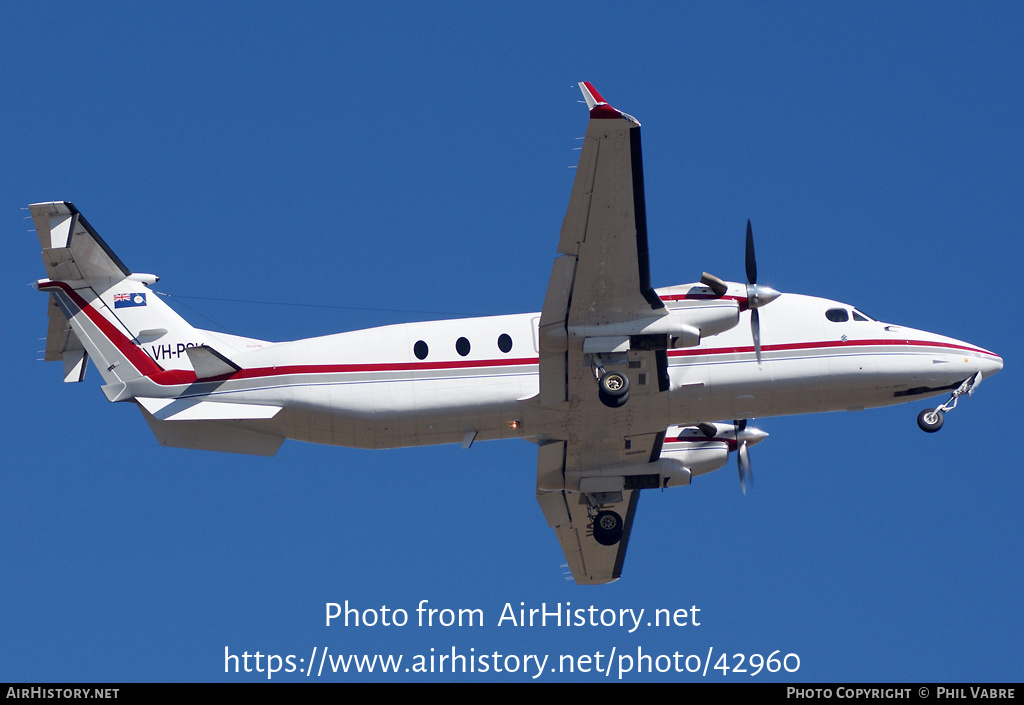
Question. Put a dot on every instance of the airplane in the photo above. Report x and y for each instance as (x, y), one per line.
(621, 386)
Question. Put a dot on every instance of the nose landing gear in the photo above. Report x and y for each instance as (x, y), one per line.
(930, 420)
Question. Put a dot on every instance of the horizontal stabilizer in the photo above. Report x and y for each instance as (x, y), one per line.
(223, 437)
(71, 247)
(199, 409)
(63, 344)
(207, 362)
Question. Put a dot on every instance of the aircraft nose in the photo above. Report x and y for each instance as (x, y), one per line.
(990, 364)
(984, 361)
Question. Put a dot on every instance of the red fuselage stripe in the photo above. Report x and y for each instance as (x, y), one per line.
(135, 355)
(280, 371)
(141, 361)
(826, 344)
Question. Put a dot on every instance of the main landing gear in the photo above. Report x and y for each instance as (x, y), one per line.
(612, 387)
(930, 420)
(607, 528)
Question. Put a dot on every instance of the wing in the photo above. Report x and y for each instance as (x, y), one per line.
(589, 497)
(600, 291)
(604, 234)
(589, 492)
(598, 311)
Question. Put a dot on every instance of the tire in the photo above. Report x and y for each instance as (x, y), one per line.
(930, 420)
(613, 389)
(612, 402)
(607, 528)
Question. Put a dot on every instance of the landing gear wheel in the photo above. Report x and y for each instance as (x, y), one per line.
(607, 528)
(930, 420)
(613, 389)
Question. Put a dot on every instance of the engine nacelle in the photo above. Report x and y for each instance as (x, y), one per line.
(680, 327)
(664, 472)
(660, 474)
(706, 447)
(674, 468)
(707, 317)
(687, 451)
(702, 317)
(699, 457)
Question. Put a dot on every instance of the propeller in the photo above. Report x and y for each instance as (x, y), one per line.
(743, 461)
(757, 296)
(746, 436)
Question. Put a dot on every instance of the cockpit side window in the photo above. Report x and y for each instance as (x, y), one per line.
(837, 315)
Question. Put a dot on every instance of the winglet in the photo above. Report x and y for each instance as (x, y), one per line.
(591, 95)
(598, 106)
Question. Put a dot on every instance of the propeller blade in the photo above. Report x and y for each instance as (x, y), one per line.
(743, 461)
(746, 437)
(755, 330)
(755, 319)
(757, 296)
(751, 259)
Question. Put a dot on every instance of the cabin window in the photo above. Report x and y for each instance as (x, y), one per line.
(420, 350)
(462, 347)
(504, 342)
(837, 315)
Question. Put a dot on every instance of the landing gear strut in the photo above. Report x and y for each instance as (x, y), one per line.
(930, 420)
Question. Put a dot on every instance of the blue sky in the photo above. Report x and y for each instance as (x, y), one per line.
(390, 159)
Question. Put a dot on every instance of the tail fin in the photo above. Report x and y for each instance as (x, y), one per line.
(99, 309)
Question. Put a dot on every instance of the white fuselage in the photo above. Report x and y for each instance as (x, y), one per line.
(453, 380)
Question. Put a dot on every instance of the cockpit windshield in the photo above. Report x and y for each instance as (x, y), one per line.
(842, 315)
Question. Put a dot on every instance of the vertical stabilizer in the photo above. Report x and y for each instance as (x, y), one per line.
(101, 310)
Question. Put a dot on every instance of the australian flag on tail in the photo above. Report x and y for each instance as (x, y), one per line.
(129, 300)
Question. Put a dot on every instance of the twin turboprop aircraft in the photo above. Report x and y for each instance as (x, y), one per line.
(617, 383)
